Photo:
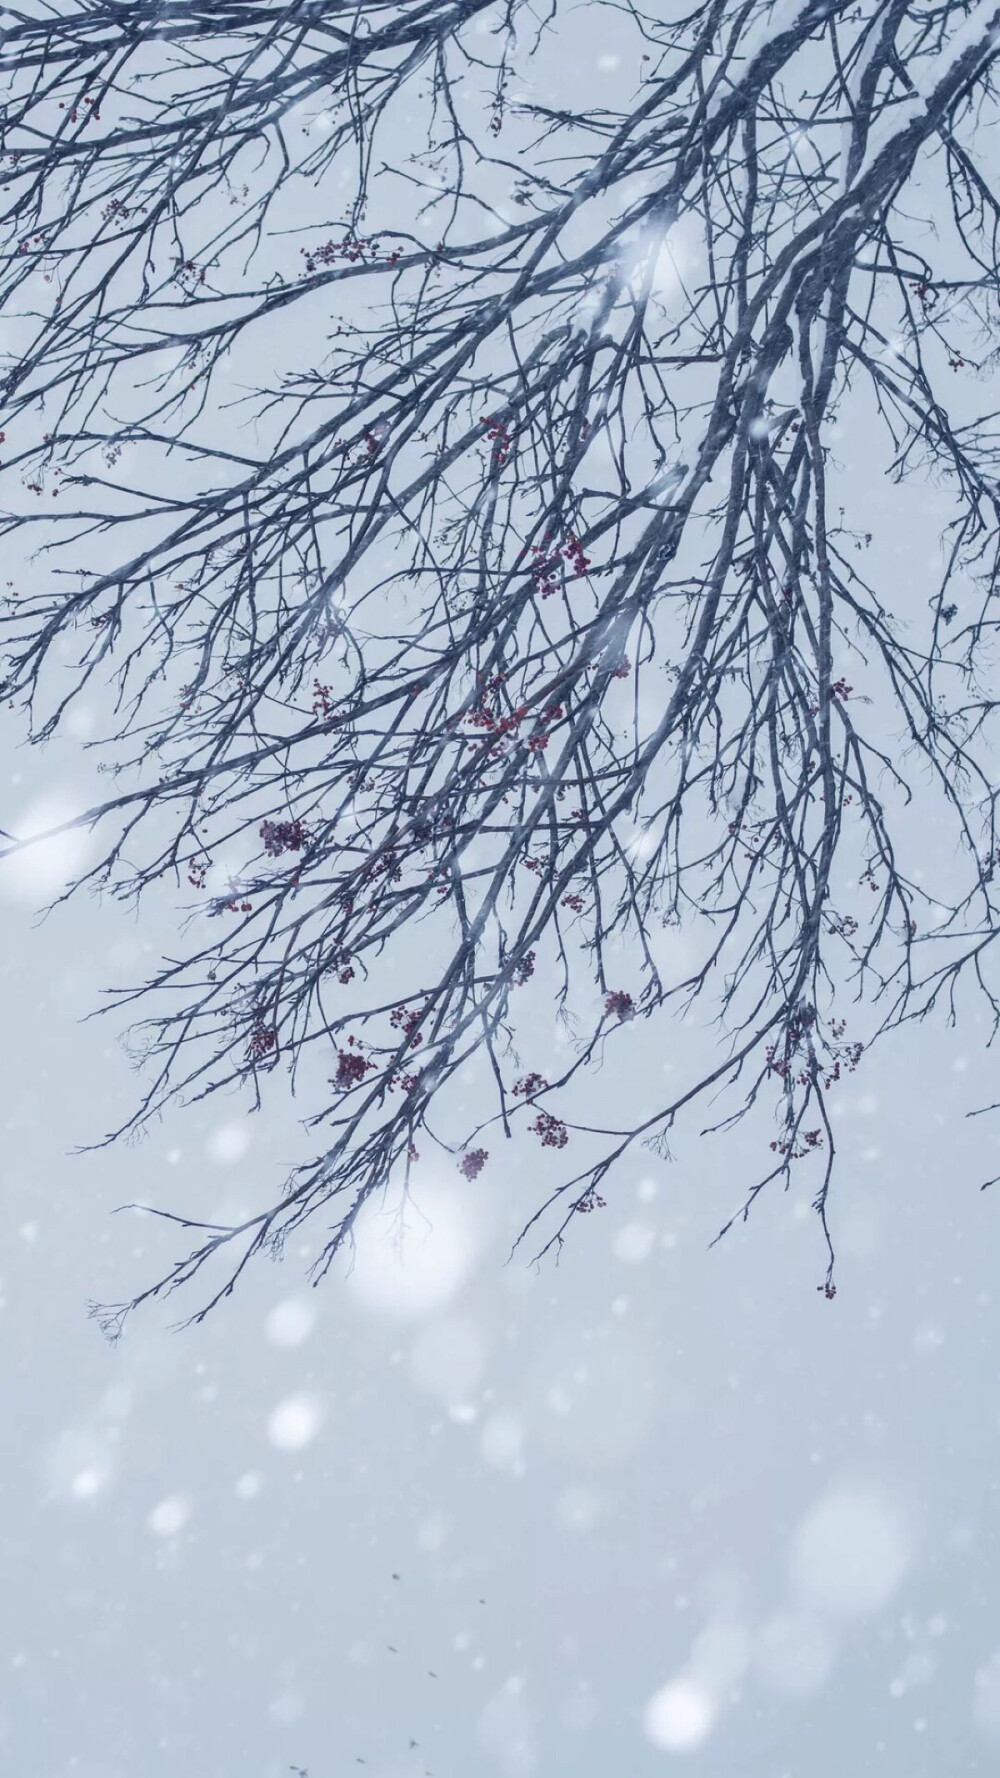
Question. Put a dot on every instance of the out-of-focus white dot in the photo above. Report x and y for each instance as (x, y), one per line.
(46, 865)
(720, 1656)
(116, 1401)
(793, 1652)
(291, 1322)
(505, 1730)
(227, 1144)
(928, 1338)
(28, 1232)
(918, 1669)
(80, 1462)
(986, 1698)
(607, 64)
(294, 1422)
(169, 1516)
(286, 1708)
(323, 124)
(634, 1243)
(79, 722)
(578, 1509)
(646, 1190)
(432, 1533)
(502, 1441)
(87, 1482)
(851, 1551)
(413, 1254)
(248, 1486)
(679, 1717)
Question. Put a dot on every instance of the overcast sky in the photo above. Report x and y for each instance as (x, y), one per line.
(658, 1506)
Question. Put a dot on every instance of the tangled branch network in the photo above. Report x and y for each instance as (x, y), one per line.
(419, 441)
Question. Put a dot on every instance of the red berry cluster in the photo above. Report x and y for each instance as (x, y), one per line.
(404, 1019)
(573, 552)
(351, 1067)
(572, 901)
(322, 700)
(845, 925)
(544, 570)
(811, 1141)
(197, 872)
(497, 431)
(619, 1005)
(524, 970)
(406, 1081)
(352, 248)
(263, 1039)
(283, 836)
(188, 274)
(591, 1200)
(529, 1085)
(472, 1164)
(84, 100)
(551, 1130)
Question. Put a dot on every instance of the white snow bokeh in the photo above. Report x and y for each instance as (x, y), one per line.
(506, 1731)
(227, 1144)
(794, 1653)
(290, 1323)
(286, 1708)
(720, 1656)
(634, 1242)
(502, 1443)
(986, 1698)
(45, 867)
(413, 1253)
(679, 1717)
(578, 1508)
(294, 1423)
(851, 1551)
(170, 1515)
(679, 263)
(80, 1463)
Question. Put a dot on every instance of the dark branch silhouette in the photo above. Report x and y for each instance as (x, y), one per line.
(439, 481)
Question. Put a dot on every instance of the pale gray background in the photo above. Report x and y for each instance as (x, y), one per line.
(650, 1465)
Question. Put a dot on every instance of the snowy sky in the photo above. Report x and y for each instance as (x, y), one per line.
(652, 1502)
(655, 1507)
